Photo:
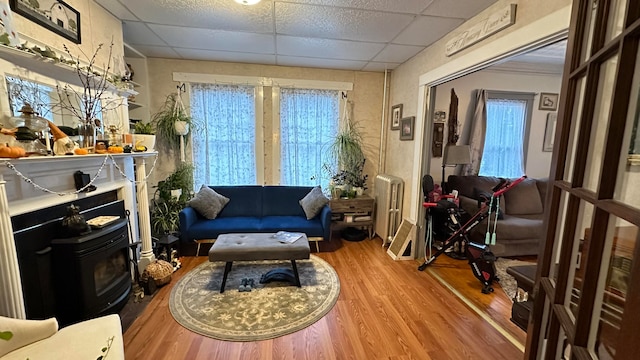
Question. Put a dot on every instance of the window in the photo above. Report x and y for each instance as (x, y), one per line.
(308, 121)
(506, 138)
(224, 146)
(39, 96)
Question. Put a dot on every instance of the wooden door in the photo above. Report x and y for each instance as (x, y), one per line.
(588, 280)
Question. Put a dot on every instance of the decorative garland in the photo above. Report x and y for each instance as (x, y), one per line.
(93, 179)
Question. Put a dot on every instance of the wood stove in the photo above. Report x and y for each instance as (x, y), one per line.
(92, 273)
(73, 278)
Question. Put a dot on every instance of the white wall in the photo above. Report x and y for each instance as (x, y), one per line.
(538, 162)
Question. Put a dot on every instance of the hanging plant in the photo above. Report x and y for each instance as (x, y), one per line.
(347, 150)
(172, 112)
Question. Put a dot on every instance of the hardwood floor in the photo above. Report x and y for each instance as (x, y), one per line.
(386, 310)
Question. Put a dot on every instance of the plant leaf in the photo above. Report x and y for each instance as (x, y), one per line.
(6, 335)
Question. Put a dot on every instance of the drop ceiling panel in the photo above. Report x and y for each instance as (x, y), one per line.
(397, 53)
(117, 9)
(379, 66)
(213, 14)
(425, 30)
(227, 56)
(320, 63)
(323, 48)
(137, 33)
(404, 6)
(459, 9)
(338, 23)
(207, 39)
(158, 51)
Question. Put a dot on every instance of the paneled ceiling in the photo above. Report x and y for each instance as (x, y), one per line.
(369, 35)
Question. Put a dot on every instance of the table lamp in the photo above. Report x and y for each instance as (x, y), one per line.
(455, 155)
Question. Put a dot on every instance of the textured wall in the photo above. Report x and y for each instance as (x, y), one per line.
(366, 97)
(400, 155)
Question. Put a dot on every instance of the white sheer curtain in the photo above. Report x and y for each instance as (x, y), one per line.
(309, 120)
(503, 153)
(224, 143)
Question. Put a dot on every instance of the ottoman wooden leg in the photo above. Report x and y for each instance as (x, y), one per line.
(227, 268)
(295, 272)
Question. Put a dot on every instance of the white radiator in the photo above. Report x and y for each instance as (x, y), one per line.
(388, 194)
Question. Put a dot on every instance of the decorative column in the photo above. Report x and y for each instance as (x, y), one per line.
(11, 298)
(144, 222)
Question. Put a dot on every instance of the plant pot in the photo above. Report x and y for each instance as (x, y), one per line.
(182, 127)
(145, 140)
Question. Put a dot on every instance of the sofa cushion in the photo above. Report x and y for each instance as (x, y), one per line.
(283, 200)
(467, 185)
(313, 202)
(16, 333)
(243, 200)
(208, 203)
(312, 228)
(210, 229)
(523, 199)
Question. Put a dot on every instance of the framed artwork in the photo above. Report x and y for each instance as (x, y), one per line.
(440, 116)
(548, 101)
(406, 128)
(549, 132)
(55, 15)
(396, 115)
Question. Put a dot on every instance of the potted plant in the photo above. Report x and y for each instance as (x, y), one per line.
(348, 156)
(172, 123)
(171, 196)
(144, 136)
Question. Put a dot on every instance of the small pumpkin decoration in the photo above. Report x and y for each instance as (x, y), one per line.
(81, 151)
(115, 149)
(7, 151)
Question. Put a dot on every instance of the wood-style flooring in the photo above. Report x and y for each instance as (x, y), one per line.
(386, 310)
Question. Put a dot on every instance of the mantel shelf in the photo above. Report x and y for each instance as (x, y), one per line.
(52, 68)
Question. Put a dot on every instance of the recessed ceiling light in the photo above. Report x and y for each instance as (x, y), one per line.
(247, 2)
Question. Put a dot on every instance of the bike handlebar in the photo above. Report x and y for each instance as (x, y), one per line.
(508, 185)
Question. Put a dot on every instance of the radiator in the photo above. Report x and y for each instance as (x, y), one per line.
(388, 194)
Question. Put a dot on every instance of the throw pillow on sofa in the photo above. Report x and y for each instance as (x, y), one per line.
(313, 202)
(523, 199)
(208, 203)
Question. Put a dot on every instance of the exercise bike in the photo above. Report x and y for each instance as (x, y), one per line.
(479, 256)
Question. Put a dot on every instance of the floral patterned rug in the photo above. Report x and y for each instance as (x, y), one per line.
(268, 311)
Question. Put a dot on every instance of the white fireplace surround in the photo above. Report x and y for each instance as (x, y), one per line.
(55, 173)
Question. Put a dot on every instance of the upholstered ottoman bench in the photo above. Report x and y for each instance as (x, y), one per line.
(260, 246)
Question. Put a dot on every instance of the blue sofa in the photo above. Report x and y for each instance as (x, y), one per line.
(257, 209)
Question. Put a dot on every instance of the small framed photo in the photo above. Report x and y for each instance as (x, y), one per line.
(440, 116)
(55, 15)
(548, 101)
(396, 115)
(406, 128)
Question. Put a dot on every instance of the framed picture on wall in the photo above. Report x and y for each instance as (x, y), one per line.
(406, 128)
(548, 101)
(55, 15)
(396, 115)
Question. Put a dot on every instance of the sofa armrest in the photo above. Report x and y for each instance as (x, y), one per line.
(188, 217)
(325, 219)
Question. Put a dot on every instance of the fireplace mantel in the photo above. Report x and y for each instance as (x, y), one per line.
(120, 172)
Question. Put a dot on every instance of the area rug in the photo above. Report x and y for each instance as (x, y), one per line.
(507, 282)
(268, 311)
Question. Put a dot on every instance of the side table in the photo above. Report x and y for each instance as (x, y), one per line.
(355, 212)
(167, 241)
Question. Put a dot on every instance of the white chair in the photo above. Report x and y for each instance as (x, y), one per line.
(41, 339)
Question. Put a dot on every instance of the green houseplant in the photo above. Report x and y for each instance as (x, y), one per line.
(346, 151)
(172, 122)
(171, 196)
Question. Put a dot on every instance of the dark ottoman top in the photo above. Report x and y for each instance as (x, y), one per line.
(257, 246)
